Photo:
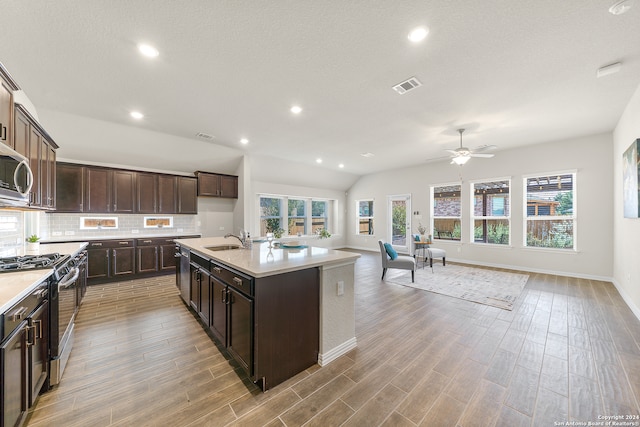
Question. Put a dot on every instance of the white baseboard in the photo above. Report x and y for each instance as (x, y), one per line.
(331, 355)
(627, 299)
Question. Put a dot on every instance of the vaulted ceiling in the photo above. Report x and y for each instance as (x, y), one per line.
(512, 73)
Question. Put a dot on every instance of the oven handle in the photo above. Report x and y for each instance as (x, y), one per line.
(65, 282)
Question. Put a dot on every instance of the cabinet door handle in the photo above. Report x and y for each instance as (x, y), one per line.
(146, 241)
(4, 132)
(217, 269)
(18, 314)
(96, 244)
(31, 339)
(38, 327)
(123, 243)
(222, 296)
(237, 281)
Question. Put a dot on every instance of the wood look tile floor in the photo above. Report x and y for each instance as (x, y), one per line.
(568, 351)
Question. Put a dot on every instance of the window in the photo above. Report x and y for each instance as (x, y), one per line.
(319, 215)
(446, 211)
(270, 215)
(297, 217)
(551, 211)
(365, 217)
(491, 212)
(294, 214)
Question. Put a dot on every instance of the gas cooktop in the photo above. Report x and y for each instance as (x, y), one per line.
(28, 262)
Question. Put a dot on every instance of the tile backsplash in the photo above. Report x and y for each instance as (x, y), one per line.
(67, 227)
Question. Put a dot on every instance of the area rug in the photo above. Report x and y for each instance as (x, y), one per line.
(495, 288)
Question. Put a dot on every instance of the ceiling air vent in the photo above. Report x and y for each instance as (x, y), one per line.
(203, 135)
(407, 85)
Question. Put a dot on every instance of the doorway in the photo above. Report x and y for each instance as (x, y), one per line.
(400, 221)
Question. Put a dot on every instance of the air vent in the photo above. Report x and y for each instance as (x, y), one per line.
(203, 135)
(407, 85)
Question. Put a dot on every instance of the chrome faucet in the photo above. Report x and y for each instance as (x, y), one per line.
(241, 239)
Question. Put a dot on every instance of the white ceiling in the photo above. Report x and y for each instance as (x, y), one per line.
(512, 72)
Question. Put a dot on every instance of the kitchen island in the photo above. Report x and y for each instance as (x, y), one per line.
(278, 311)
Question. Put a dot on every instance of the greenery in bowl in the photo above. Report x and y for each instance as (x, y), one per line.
(33, 238)
(277, 232)
(323, 233)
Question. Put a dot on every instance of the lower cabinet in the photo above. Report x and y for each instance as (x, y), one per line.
(24, 355)
(269, 325)
(120, 259)
(111, 259)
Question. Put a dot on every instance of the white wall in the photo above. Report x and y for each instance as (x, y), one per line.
(589, 156)
(626, 231)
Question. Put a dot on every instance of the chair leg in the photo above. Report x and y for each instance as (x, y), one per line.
(431, 262)
(444, 262)
(412, 276)
(384, 270)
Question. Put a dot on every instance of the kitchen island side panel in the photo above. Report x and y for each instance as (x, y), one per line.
(337, 312)
(286, 325)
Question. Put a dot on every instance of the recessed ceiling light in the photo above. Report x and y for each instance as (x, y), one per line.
(244, 141)
(296, 109)
(620, 7)
(148, 50)
(418, 34)
(341, 165)
(318, 160)
(136, 115)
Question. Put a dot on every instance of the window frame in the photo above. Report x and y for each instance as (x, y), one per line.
(330, 212)
(573, 217)
(432, 196)
(490, 216)
(370, 218)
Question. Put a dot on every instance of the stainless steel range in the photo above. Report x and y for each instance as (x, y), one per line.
(30, 262)
(68, 277)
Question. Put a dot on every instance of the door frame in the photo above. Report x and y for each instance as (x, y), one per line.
(407, 199)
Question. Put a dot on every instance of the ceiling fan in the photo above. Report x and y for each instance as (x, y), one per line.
(461, 155)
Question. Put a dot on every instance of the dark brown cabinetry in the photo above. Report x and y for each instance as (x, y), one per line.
(93, 189)
(167, 194)
(109, 190)
(70, 181)
(24, 354)
(7, 85)
(110, 259)
(217, 185)
(187, 195)
(35, 144)
(200, 295)
(14, 393)
(155, 255)
(147, 193)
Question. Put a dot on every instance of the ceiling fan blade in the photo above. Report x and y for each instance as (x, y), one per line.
(486, 156)
(452, 152)
(484, 148)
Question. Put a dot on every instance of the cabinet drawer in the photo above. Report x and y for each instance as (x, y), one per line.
(12, 318)
(111, 244)
(202, 262)
(233, 278)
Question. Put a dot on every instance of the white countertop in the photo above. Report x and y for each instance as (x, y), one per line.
(261, 262)
(16, 285)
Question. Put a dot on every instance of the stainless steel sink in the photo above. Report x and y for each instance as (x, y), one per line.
(222, 247)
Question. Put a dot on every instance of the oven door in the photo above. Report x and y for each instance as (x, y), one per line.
(62, 333)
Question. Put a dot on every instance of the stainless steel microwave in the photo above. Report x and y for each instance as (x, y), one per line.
(16, 178)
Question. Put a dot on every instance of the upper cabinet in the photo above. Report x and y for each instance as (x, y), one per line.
(187, 195)
(7, 86)
(94, 189)
(217, 185)
(33, 142)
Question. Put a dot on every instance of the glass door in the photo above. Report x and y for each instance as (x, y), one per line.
(400, 221)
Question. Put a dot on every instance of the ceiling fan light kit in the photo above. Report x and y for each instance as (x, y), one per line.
(461, 155)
